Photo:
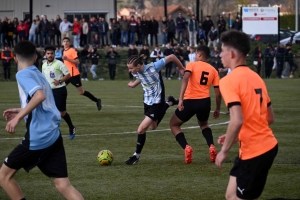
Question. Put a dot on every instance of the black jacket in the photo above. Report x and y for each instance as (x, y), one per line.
(132, 52)
(144, 29)
(171, 26)
(44, 26)
(154, 27)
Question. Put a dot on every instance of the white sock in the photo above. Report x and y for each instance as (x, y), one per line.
(170, 103)
(136, 154)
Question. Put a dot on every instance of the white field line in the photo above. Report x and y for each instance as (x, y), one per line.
(130, 132)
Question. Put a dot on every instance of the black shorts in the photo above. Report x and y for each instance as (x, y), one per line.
(200, 107)
(251, 175)
(155, 111)
(75, 80)
(51, 160)
(60, 98)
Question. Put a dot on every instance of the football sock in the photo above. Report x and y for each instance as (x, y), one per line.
(136, 154)
(207, 134)
(90, 96)
(169, 103)
(140, 143)
(180, 138)
(67, 118)
(23, 199)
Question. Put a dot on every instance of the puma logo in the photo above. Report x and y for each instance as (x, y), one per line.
(240, 190)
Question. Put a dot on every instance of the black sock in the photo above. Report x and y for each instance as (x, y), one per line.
(90, 96)
(67, 118)
(23, 199)
(207, 134)
(140, 143)
(180, 138)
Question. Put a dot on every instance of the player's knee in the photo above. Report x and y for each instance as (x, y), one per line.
(203, 125)
(141, 130)
(153, 126)
(63, 113)
(80, 92)
(62, 186)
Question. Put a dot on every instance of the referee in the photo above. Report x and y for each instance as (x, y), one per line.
(56, 74)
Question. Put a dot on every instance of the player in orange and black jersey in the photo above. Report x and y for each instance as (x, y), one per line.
(70, 59)
(246, 96)
(194, 99)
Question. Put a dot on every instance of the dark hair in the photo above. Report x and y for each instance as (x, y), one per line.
(204, 49)
(66, 38)
(51, 48)
(25, 51)
(237, 40)
(135, 60)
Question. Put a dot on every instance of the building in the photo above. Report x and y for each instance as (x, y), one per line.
(66, 8)
(158, 12)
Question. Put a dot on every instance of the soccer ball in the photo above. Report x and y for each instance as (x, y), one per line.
(105, 157)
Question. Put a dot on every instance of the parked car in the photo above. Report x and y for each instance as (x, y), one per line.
(295, 39)
(273, 38)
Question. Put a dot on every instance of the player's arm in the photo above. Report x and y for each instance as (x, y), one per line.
(176, 61)
(134, 84)
(37, 98)
(233, 129)
(75, 61)
(218, 101)
(184, 83)
(270, 117)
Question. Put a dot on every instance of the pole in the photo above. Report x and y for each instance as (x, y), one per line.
(165, 8)
(197, 9)
(30, 10)
(115, 9)
(278, 26)
(297, 15)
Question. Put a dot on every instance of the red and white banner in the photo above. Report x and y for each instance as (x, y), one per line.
(260, 20)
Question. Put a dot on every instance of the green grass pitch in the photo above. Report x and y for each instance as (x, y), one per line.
(161, 172)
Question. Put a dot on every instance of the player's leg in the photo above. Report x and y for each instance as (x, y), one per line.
(75, 80)
(159, 111)
(64, 187)
(178, 118)
(9, 184)
(141, 139)
(204, 106)
(60, 98)
(231, 189)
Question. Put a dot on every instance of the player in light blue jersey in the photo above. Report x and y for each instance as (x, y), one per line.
(149, 76)
(42, 145)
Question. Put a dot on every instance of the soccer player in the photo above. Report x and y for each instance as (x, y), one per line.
(154, 95)
(251, 113)
(42, 145)
(194, 99)
(56, 74)
(70, 59)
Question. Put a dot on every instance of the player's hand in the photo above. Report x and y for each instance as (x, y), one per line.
(180, 105)
(55, 82)
(131, 84)
(9, 114)
(220, 159)
(65, 58)
(181, 71)
(11, 125)
(216, 114)
(221, 139)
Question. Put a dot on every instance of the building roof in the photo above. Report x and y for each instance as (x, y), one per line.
(158, 12)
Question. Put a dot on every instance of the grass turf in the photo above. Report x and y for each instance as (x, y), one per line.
(161, 172)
